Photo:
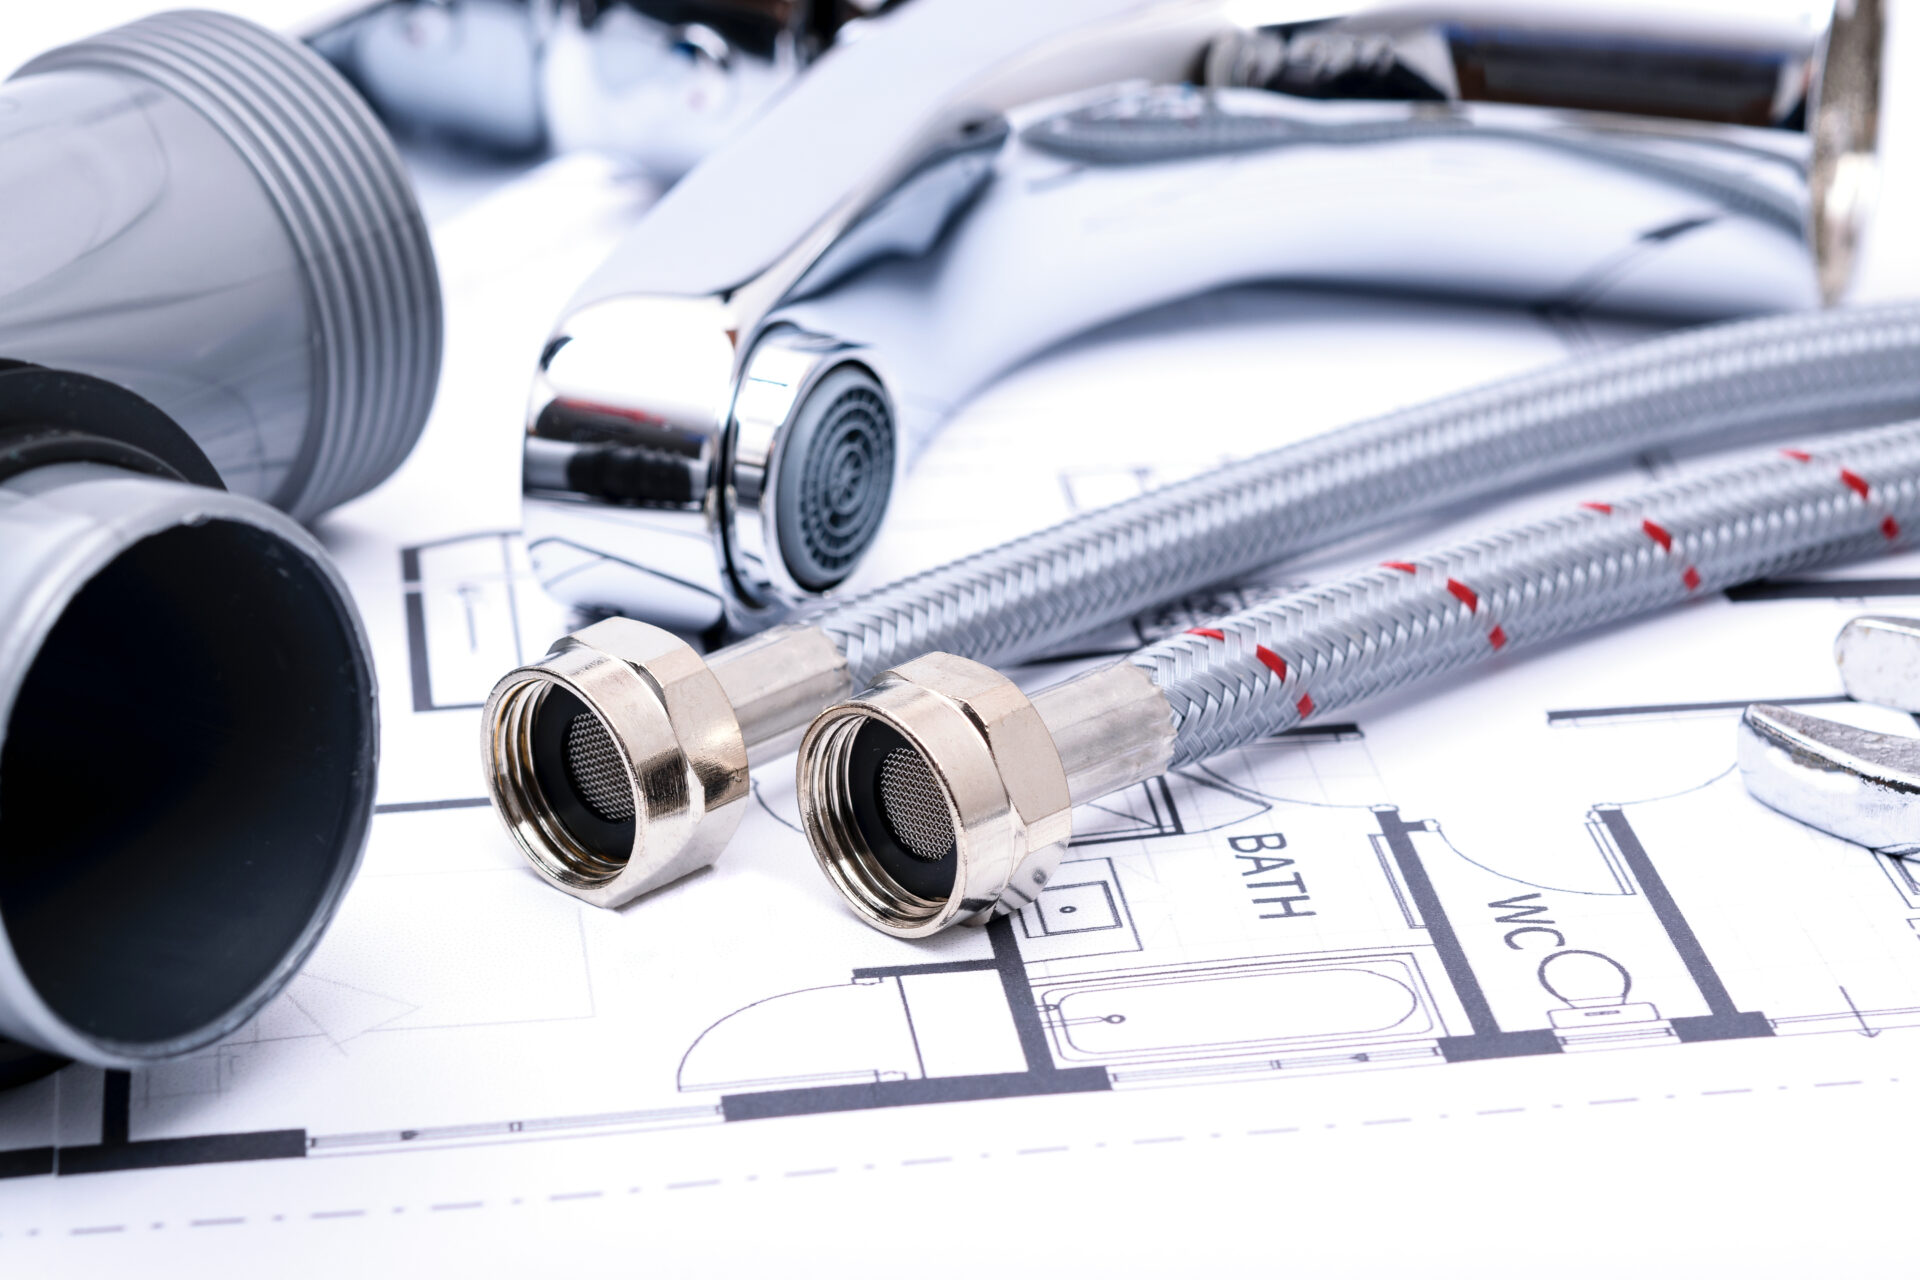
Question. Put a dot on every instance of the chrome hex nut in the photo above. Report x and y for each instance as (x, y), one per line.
(935, 797)
(616, 762)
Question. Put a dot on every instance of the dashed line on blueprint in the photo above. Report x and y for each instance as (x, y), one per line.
(1156, 1140)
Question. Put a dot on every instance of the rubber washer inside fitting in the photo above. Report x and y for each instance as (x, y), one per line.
(835, 476)
(559, 789)
(930, 878)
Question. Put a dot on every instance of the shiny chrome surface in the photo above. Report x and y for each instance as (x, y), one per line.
(1879, 661)
(777, 681)
(1699, 162)
(1850, 782)
(1009, 770)
(803, 199)
(683, 732)
(658, 85)
(467, 71)
(663, 95)
(1112, 728)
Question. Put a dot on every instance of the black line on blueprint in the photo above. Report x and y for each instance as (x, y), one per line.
(27, 1163)
(116, 1107)
(1019, 991)
(1822, 589)
(114, 1152)
(1680, 708)
(419, 670)
(1453, 957)
(1487, 1039)
(1723, 1021)
(913, 1033)
(1040, 1077)
(423, 806)
(167, 1153)
(908, 970)
(774, 1103)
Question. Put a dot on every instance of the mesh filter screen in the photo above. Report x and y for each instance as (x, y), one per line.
(913, 805)
(595, 769)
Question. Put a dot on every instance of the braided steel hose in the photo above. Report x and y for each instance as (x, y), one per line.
(1311, 651)
(1741, 380)
(671, 733)
(1006, 770)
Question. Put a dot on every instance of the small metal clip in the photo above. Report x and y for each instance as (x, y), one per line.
(1853, 783)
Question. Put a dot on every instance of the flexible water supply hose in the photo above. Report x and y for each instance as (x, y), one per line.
(1309, 652)
(1739, 381)
(942, 794)
(620, 761)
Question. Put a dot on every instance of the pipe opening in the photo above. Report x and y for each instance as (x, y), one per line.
(561, 782)
(882, 823)
(177, 819)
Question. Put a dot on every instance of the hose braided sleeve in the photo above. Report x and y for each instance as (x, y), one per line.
(1747, 380)
(1312, 651)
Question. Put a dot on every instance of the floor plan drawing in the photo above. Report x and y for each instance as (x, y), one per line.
(1459, 901)
(1558, 872)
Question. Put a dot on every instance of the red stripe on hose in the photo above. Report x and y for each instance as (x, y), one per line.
(1271, 660)
(1401, 565)
(1689, 576)
(1208, 632)
(1858, 484)
(1465, 594)
(1497, 637)
(1304, 706)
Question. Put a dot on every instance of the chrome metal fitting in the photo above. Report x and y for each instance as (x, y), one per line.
(1853, 783)
(943, 795)
(619, 761)
(655, 489)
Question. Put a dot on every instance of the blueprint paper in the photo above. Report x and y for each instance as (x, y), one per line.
(1506, 976)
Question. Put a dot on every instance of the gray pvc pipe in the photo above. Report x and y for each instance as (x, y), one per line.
(203, 212)
(188, 740)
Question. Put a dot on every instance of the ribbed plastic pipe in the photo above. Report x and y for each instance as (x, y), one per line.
(338, 186)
